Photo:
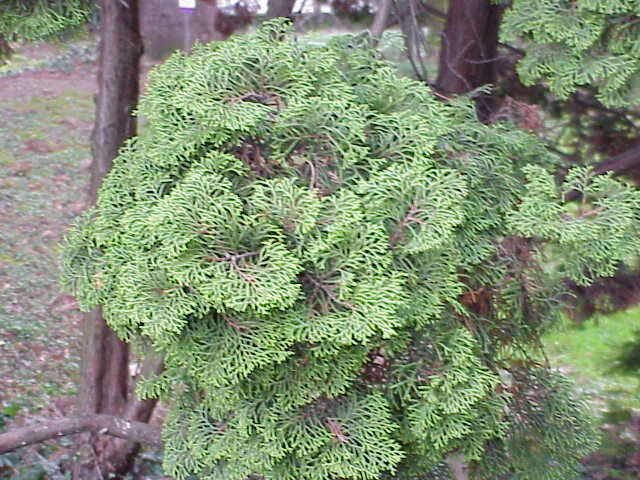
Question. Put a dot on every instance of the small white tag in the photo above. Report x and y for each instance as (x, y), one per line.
(187, 3)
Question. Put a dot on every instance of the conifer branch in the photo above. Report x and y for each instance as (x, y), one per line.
(327, 291)
(233, 261)
(402, 225)
(103, 424)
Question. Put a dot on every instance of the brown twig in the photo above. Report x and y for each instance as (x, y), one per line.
(327, 291)
(336, 429)
(408, 218)
(235, 325)
(233, 261)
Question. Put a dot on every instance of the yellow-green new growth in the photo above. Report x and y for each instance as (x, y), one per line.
(341, 271)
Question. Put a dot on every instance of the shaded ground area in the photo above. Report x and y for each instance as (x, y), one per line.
(45, 126)
(588, 354)
(46, 117)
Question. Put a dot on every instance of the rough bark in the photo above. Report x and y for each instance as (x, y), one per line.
(119, 453)
(105, 359)
(118, 86)
(280, 8)
(5, 49)
(100, 424)
(627, 163)
(457, 466)
(468, 52)
(381, 19)
(204, 21)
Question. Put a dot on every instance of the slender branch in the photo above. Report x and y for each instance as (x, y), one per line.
(621, 163)
(436, 12)
(233, 261)
(98, 423)
(327, 291)
(402, 225)
(234, 325)
(409, 36)
(228, 257)
(591, 103)
(511, 48)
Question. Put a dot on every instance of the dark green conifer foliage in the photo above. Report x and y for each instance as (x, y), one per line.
(342, 271)
(37, 19)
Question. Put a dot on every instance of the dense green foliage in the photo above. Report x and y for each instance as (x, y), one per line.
(573, 43)
(342, 271)
(38, 19)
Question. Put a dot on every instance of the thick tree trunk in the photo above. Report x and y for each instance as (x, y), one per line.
(118, 85)
(468, 51)
(120, 452)
(105, 360)
(280, 8)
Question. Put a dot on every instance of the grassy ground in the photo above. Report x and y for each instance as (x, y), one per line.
(587, 354)
(43, 159)
(45, 126)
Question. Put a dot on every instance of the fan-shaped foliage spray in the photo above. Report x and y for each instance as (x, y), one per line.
(342, 271)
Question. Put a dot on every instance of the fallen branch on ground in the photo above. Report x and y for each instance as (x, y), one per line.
(100, 423)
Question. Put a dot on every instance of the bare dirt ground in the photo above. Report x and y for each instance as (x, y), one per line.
(47, 84)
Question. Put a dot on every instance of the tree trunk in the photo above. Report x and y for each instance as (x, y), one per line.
(204, 22)
(468, 51)
(381, 19)
(105, 360)
(166, 27)
(5, 49)
(120, 452)
(163, 28)
(280, 8)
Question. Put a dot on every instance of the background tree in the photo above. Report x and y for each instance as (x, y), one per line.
(38, 19)
(280, 8)
(578, 62)
(585, 55)
(166, 27)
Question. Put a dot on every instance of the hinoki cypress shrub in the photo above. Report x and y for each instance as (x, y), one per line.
(348, 277)
(579, 43)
